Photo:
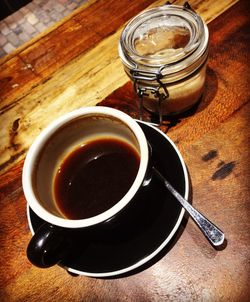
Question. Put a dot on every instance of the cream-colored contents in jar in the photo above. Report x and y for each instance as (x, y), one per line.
(182, 95)
(164, 51)
(166, 43)
(162, 41)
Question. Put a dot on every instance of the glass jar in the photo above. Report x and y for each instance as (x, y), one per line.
(164, 51)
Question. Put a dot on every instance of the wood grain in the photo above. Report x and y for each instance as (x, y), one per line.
(54, 75)
(191, 270)
(213, 139)
(228, 77)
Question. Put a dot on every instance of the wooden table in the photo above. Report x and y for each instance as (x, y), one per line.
(76, 64)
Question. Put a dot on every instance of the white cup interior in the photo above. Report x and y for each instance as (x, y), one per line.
(60, 139)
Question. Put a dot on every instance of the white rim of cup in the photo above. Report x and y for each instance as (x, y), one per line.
(159, 248)
(38, 144)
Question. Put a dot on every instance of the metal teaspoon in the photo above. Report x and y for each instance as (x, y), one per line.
(212, 232)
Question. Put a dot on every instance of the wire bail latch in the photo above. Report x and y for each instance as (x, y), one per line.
(159, 92)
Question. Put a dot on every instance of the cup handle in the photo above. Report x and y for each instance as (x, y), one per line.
(48, 246)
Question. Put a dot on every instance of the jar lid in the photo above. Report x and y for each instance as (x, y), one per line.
(168, 37)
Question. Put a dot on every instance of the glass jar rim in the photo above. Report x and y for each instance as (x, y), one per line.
(194, 50)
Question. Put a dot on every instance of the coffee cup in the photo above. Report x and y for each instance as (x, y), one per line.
(82, 172)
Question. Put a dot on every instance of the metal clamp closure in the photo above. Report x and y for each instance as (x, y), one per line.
(144, 89)
(159, 91)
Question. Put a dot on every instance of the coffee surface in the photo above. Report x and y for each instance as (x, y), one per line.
(94, 177)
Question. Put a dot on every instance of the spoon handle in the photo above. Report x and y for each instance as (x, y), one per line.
(212, 232)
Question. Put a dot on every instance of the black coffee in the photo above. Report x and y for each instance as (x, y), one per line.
(95, 177)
